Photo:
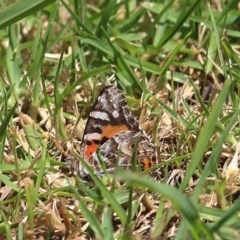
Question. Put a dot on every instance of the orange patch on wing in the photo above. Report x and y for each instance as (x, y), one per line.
(110, 131)
(90, 149)
(146, 164)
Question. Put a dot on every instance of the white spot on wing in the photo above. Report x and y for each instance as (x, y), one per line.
(93, 136)
(100, 115)
(115, 114)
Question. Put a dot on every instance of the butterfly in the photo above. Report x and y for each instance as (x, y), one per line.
(112, 135)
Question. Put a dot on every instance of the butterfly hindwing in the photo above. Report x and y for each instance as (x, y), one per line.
(118, 151)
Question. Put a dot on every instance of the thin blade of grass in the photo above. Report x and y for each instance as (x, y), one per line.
(132, 20)
(42, 165)
(20, 233)
(107, 224)
(31, 197)
(5, 123)
(173, 54)
(181, 20)
(14, 58)
(76, 17)
(108, 11)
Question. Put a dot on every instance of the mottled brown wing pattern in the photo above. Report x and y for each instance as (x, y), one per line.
(118, 151)
(109, 116)
(114, 131)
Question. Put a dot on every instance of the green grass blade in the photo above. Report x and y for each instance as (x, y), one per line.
(9, 183)
(228, 215)
(107, 224)
(181, 203)
(5, 123)
(20, 10)
(76, 17)
(212, 161)
(108, 11)
(181, 20)
(132, 19)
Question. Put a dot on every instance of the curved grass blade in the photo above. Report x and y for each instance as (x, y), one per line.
(181, 203)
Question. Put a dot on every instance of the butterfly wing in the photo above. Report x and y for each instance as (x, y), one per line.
(109, 116)
(118, 151)
(112, 135)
